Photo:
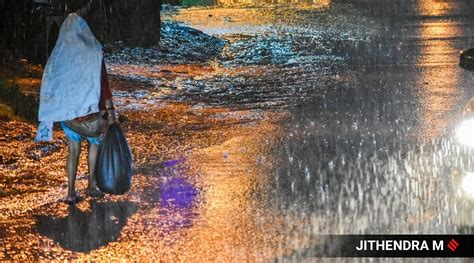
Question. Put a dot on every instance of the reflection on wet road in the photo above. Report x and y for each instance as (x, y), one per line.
(84, 231)
(229, 169)
(440, 78)
(385, 148)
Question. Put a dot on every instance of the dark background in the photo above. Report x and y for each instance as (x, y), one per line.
(29, 30)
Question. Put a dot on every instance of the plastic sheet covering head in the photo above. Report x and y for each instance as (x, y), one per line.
(71, 80)
(114, 162)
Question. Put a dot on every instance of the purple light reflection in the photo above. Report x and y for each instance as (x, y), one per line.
(177, 193)
(177, 197)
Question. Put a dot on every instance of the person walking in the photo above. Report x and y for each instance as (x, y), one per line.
(75, 92)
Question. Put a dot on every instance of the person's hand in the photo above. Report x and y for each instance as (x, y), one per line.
(112, 116)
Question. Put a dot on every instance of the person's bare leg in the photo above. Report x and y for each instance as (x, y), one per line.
(92, 189)
(74, 150)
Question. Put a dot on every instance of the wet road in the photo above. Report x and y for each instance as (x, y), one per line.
(378, 154)
(369, 147)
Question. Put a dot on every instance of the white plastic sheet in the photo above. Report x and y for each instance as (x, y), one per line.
(72, 77)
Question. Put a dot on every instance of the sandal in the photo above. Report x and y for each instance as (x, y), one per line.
(72, 200)
(94, 192)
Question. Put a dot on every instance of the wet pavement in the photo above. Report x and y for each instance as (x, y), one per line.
(294, 123)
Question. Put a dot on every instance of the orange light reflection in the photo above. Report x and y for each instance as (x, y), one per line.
(436, 7)
(439, 77)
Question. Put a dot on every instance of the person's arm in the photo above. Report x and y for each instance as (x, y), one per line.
(111, 114)
(106, 102)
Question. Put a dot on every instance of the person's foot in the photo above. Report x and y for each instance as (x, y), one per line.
(94, 192)
(73, 199)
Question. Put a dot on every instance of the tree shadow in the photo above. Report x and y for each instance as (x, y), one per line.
(84, 231)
